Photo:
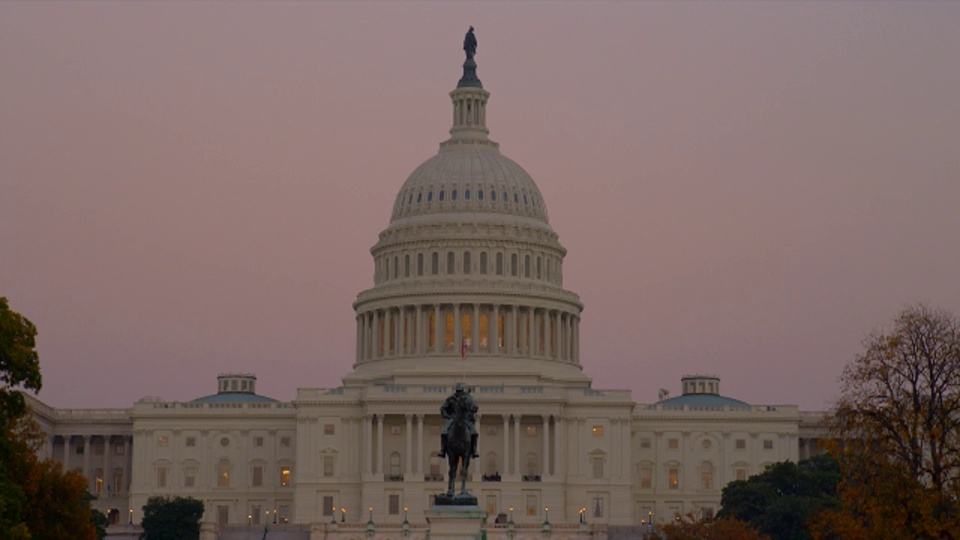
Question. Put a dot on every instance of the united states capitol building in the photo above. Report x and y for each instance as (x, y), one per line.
(468, 286)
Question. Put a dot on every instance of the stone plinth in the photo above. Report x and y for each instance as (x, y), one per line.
(456, 521)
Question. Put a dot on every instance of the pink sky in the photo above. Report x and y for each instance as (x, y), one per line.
(745, 189)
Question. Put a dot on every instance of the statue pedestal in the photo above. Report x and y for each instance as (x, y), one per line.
(459, 519)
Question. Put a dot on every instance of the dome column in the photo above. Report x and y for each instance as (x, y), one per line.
(375, 350)
(475, 323)
(402, 331)
(494, 332)
(457, 330)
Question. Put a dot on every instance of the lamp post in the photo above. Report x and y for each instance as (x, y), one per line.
(131, 517)
(343, 515)
(406, 524)
(249, 519)
(274, 516)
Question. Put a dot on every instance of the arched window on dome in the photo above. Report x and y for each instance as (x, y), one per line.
(435, 263)
(440, 197)
(483, 262)
(538, 268)
(396, 267)
(451, 262)
(429, 196)
(386, 273)
(467, 262)
(514, 266)
(505, 198)
(479, 194)
(525, 201)
(419, 197)
(410, 199)
(406, 265)
(419, 264)
(453, 195)
(516, 198)
(526, 266)
(466, 194)
(499, 263)
(548, 274)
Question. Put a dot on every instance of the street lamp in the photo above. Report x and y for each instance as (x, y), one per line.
(343, 514)
(249, 519)
(131, 517)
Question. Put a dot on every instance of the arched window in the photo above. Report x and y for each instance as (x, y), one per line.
(440, 198)
(429, 196)
(419, 264)
(479, 195)
(513, 265)
(466, 194)
(526, 266)
(395, 464)
(223, 473)
(483, 262)
(386, 273)
(493, 195)
(396, 267)
(453, 195)
(538, 268)
(406, 265)
(490, 465)
(533, 468)
(499, 264)
(467, 262)
(435, 263)
(451, 262)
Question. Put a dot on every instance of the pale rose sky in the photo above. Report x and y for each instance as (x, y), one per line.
(745, 189)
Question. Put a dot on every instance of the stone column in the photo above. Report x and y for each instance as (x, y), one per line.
(475, 329)
(409, 436)
(545, 461)
(576, 340)
(437, 338)
(107, 463)
(359, 343)
(419, 443)
(548, 349)
(530, 338)
(494, 332)
(512, 331)
(418, 331)
(380, 419)
(390, 334)
(376, 335)
(559, 424)
(505, 461)
(368, 444)
(518, 466)
(457, 332)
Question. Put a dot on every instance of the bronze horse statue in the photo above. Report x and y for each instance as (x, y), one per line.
(458, 452)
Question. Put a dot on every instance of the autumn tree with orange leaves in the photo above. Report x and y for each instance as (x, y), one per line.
(897, 424)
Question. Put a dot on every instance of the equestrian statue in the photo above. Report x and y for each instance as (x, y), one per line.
(458, 440)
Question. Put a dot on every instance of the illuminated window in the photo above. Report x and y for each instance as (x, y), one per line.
(646, 477)
(597, 431)
(673, 478)
(285, 476)
(329, 429)
(161, 441)
(740, 473)
(673, 444)
(223, 474)
(532, 505)
(531, 431)
(98, 481)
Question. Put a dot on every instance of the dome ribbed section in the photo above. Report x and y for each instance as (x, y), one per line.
(469, 179)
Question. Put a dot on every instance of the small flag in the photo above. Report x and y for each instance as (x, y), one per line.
(463, 348)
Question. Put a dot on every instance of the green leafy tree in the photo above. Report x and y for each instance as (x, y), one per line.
(720, 529)
(100, 522)
(19, 362)
(175, 518)
(899, 416)
(781, 501)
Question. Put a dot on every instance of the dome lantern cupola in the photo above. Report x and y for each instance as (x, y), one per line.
(469, 102)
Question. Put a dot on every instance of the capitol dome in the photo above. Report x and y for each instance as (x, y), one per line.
(468, 267)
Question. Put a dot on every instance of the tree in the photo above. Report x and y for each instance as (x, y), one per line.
(899, 420)
(171, 519)
(19, 362)
(720, 529)
(781, 500)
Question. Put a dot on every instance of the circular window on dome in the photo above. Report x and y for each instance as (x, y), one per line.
(224, 442)
(453, 195)
(466, 194)
(440, 197)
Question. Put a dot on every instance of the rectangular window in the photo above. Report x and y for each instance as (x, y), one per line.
(646, 477)
(191, 442)
(257, 476)
(673, 478)
(598, 507)
(741, 444)
(223, 514)
(491, 505)
(284, 513)
(98, 449)
(327, 466)
(98, 481)
(597, 464)
(673, 444)
(645, 442)
(117, 480)
(768, 444)
(255, 511)
(285, 442)
(597, 431)
(286, 476)
(329, 429)
(189, 477)
(706, 513)
(396, 430)
(740, 473)
(119, 449)
(257, 442)
(328, 508)
(162, 476)
(393, 504)
(78, 450)
(223, 475)
(531, 505)
(531, 431)
(706, 476)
